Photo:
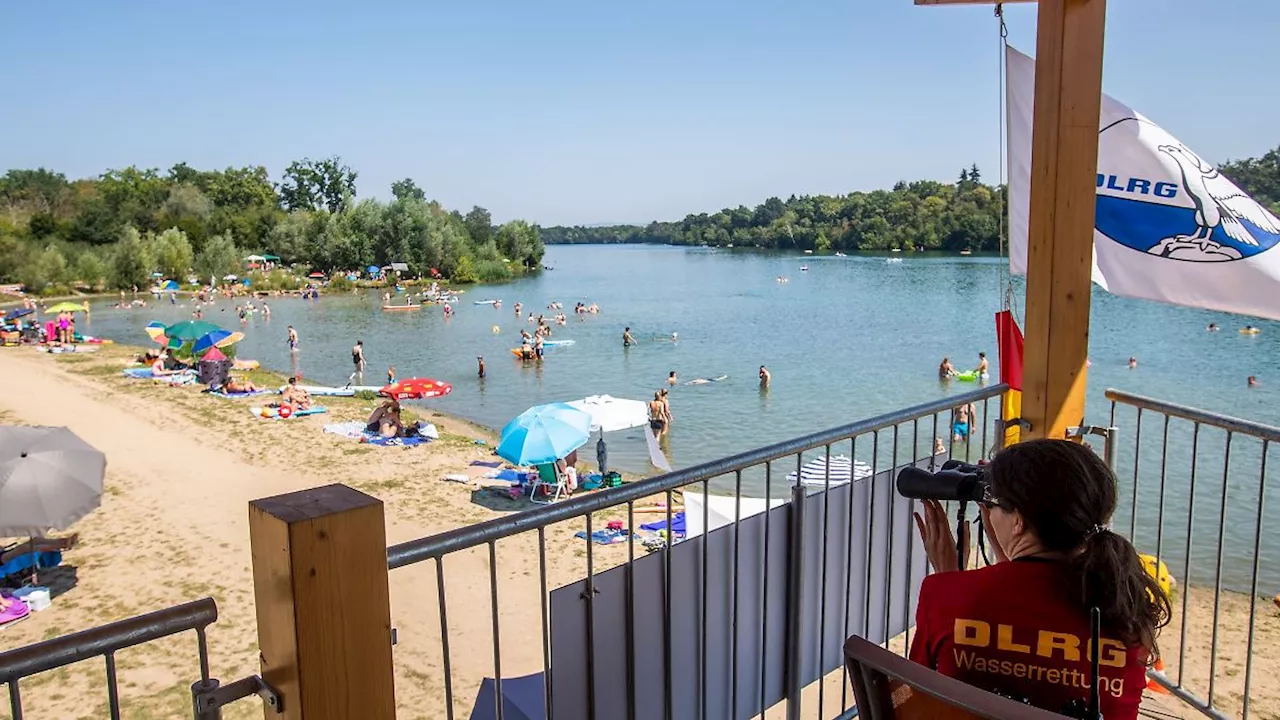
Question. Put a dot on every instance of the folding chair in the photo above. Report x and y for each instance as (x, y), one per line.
(890, 687)
(548, 476)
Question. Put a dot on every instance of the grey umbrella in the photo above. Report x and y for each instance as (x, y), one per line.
(49, 478)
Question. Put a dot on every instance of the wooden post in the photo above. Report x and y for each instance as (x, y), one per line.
(1064, 169)
(324, 609)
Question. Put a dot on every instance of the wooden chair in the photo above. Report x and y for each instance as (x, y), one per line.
(890, 687)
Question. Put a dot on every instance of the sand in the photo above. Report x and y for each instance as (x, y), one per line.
(182, 468)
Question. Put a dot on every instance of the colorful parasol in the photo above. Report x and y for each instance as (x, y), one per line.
(190, 330)
(65, 307)
(416, 389)
(217, 339)
(214, 354)
(155, 331)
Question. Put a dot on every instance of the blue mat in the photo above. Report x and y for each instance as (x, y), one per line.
(230, 396)
(509, 475)
(677, 524)
(605, 537)
(27, 561)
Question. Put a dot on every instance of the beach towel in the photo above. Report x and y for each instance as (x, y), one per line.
(486, 463)
(515, 476)
(181, 378)
(677, 524)
(16, 611)
(353, 429)
(274, 413)
(231, 396)
(609, 536)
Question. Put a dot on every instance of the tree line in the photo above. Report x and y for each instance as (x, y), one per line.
(964, 215)
(115, 230)
(922, 215)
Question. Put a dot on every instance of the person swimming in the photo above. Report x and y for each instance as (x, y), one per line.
(671, 378)
(627, 340)
(1213, 327)
(704, 381)
(1253, 381)
(982, 365)
(1133, 362)
(946, 369)
(765, 377)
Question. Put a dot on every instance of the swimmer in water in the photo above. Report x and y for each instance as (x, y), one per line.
(982, 365)
(671, 378)
(1213, 327)
(765, 377)
(704, 381)
(1253, 381)
(627, 340)
(1133, 362)
(946, 369)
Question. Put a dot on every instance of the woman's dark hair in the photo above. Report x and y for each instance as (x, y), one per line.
(1066, 494)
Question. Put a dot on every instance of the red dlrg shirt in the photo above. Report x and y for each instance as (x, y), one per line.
(1016, 629)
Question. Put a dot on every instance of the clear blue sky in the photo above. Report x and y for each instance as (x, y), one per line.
(568, 111)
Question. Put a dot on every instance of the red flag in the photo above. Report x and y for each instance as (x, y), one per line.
(1009, 341)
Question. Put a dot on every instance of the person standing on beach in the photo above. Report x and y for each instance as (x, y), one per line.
(627, 340)
(357, 359)
(391, 375)
(293, 338)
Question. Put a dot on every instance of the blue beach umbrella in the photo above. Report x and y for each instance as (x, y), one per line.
(373, 269)
(170, 286)
(17, 313)
(216, 338)
(544, 433)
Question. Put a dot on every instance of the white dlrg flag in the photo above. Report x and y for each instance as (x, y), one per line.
(1169, 227)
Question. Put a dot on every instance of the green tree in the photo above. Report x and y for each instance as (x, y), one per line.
(464, 271)
(317, 184)
(479, 225)
(131, 261)
(173, 255)
(90, 269)
(44, 270)
(407, 189)
(219, 258)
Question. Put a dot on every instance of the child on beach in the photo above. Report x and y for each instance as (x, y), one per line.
(391, 375)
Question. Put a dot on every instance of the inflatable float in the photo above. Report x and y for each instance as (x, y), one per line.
(486, 302)
(283, 413)
(245, 365)
(324, 391)
(557, 343)
(518, 353)
(389, 308)
(1249, 331)
(966, 376)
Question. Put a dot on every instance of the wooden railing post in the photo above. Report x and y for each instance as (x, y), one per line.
(323, 606)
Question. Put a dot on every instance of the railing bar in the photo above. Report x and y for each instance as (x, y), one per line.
(871, 524)
(444, 639)
(113, 690)
(705, 539)
(54, 653)
(1226, 422)
(15, 699)
(1137, 456)
(1253, 582)
(202, 649)
(888, 561)
(733, 578)
(631, 611)
(986, 420)
(848, 574)
(822, 592)
(590, 598)
(1112, 421)
(1186, 563)
(497, 639)
(1217, 573)
(433, 546)
(667, 658)
(764, 588)
(546, 629)
(1164, 461)
(911, 504)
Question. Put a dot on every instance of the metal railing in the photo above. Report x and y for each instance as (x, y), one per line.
(106, 640)
(1197, 502)
(808, 574)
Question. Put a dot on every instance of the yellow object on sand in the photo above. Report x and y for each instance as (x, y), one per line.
(245, 365)
(1161, 575)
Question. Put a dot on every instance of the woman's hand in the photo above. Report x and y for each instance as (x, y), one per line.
(992, 540)
(939, 542)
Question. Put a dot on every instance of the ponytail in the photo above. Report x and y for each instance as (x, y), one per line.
(1113, 579)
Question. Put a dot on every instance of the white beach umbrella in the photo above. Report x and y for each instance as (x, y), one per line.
(609, 414)
(49, 478)
(843, 470)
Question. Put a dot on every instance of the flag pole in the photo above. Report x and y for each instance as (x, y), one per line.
(1064, 168)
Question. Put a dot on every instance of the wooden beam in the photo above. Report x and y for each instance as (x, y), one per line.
(324, 611)
(1064, 167)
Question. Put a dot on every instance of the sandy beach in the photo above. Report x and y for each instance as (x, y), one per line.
(173, 527)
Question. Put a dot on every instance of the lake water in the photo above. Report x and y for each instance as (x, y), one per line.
(851, 338)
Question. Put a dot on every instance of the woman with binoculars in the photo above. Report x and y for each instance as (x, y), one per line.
(1021, 626)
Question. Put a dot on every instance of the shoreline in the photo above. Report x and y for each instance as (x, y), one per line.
(173, 527)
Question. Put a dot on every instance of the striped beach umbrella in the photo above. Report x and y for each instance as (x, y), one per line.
(843, 470)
